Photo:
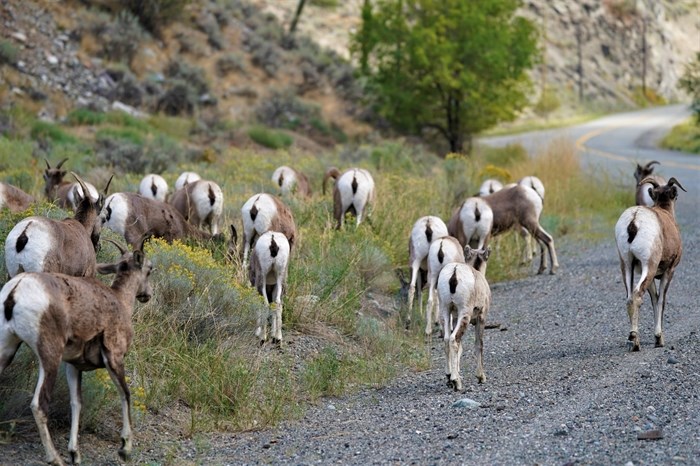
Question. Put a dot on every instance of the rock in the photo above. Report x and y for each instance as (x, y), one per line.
(119, 106)
(53, 61)
(655, 434)
(20, 36)
(672, 360)
(466, 403)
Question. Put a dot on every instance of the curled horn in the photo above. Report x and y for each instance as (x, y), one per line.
(86, 193)
(331, 172)
(648, 166)
(146, 236)
(61, 163)
(651, 181)
(108, 183)
(673, 181)
(122, 250)
(48, 165)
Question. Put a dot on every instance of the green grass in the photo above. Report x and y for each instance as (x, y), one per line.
(684, 137)
(194, 342)
(52, 132)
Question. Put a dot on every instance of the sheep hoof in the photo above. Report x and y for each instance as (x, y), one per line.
(633, 342)
(262, 342)
(75, 457)
(481, 378)
(457, 385)
(124, 455)
(659, 341)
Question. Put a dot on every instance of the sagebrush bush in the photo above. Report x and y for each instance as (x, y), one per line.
(154, 15)
(179, 99)
(264, 54)
(231, 62)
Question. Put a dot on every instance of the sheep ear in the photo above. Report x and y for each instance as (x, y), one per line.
(652, 194)
(106, 269)
(485, 254)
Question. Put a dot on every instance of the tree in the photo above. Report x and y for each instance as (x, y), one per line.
(454, 66)
(690, 83)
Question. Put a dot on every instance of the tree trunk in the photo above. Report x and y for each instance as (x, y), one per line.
(297, 15)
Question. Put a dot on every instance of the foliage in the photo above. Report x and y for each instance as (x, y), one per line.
(325, 3)
(8, 52)
(684, 137)
(121, 37)
(454, 67)
(229, 63)
(645, 97)
(50, 132)
(84, 116)
(690, 83)
(547, 103)
(270, 138)
(156, 14)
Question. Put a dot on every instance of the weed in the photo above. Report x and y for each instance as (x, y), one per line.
(684, 137)
(270, 138)
(8, 52)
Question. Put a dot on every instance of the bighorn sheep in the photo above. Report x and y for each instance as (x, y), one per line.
(520, 206)
(649, 243)
(185, 178)
(67, 194)
(14, 198)
(353, 192)
(201, 203)
(40, 244)
(291, 181)
(268, 274)
(132, 215)
(442, 251)
(153, 186)
(424, 231)
(490, 186)
(265, 212)
(78, 320)
(641, 196)
(465, 297)
(471, 223)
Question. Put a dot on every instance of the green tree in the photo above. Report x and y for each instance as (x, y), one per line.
(690, 83)
(455, 66)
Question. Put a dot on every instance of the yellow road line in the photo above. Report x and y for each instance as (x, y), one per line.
(582, 147)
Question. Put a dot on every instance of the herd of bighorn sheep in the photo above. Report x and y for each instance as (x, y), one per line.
(54, 303)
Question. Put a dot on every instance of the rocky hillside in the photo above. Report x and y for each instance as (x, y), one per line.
(232, 61)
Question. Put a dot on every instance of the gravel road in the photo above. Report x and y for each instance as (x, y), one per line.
(561, 386)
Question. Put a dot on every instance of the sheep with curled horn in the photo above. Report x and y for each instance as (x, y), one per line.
(353, 193)
(66, 194)
(649, 244)
(641, 196)
(40, 244)
(82, 322)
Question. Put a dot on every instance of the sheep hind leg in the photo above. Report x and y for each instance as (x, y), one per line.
(659, 308)
(545, 239)
(40, 407)
(115, 368)
(74, 378)
(9, 344)
(479, 325)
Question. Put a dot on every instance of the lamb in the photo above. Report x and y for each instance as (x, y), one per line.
(268, 274)
(78, 320)
(442, 251)
(519, 206)
(490, 186)
(154, 186)
(641, 196)
(185, 178)
(649, 243)
(265, 212)
(471, 223)
(67, 194)
(465, 297)
(201, 203)
(40, 244)
(291, 181)
(353, 192)
(132, 215)
(14, 198)
(424, 231)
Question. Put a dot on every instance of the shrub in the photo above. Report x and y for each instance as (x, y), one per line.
(194, 76)
(547, 103)
(325, 3)
(269, 138)
(283, 109)
(264, 54)
(229, 63)
(121, 37)
(180, 99)
(8, 52)
(156, 14)
(209, 25)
